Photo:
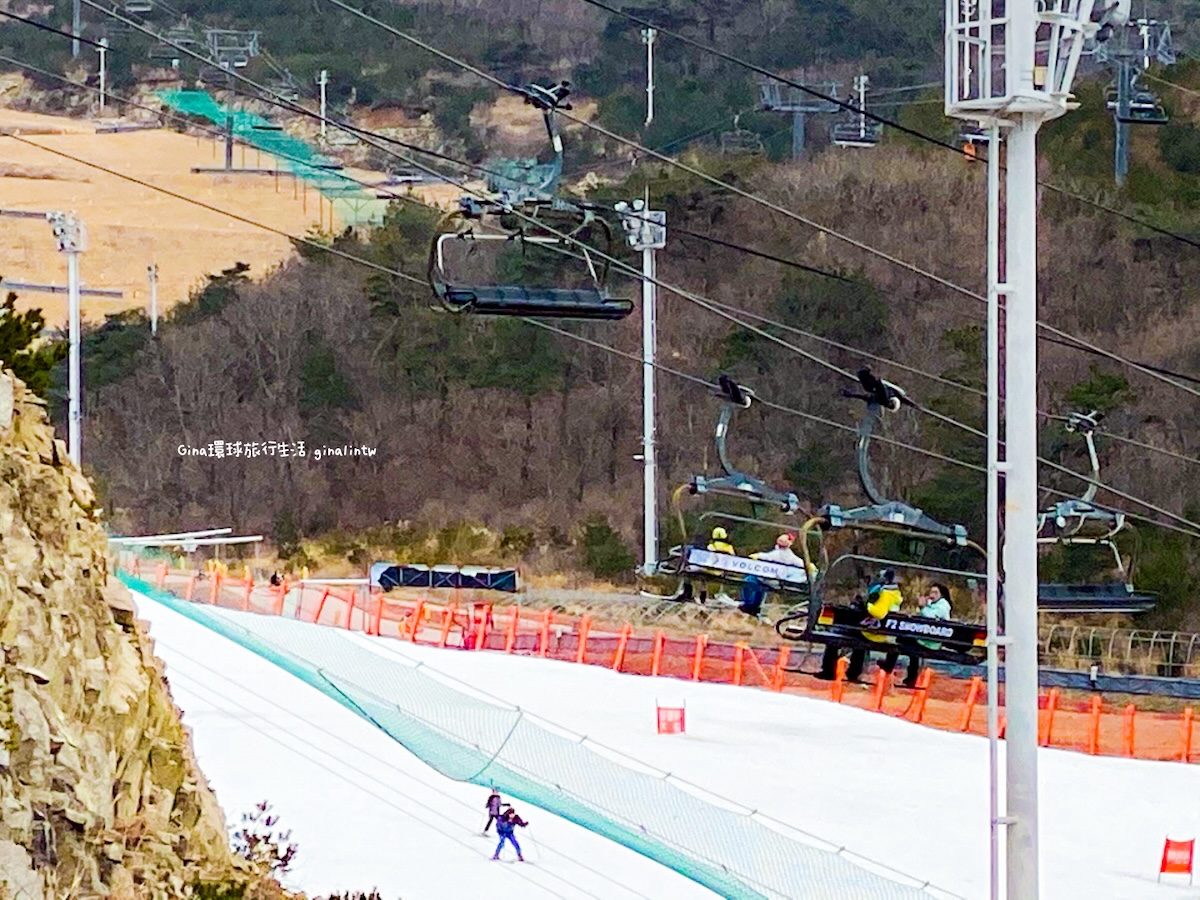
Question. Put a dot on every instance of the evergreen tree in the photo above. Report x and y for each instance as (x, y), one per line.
(22, 350)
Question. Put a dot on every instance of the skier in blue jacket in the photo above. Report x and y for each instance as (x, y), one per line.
(508, 821)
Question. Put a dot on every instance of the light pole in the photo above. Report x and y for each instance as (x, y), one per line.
(323, 81)
(102, 50)
(646, 231)
(648, 37)
(1010, 65)
(71, 236)
(152, 278)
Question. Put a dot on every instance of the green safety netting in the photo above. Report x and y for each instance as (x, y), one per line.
(734, 852)
(356, 205)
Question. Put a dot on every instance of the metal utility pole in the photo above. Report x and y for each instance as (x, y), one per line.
(648, 36)
(72, 240)
(76, 27)
(152, 278)
(646, 230)
(323, 81)
(778, 97)
(995, 469)
(1010, 64)
(103, 51)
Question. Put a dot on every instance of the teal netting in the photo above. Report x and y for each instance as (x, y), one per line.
(469, 738)
(356, 205)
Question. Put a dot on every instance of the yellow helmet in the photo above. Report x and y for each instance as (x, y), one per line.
(719, 534)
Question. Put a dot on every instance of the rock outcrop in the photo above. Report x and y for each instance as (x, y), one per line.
(99, 793)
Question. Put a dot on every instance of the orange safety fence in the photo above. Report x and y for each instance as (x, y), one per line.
(1087, 726)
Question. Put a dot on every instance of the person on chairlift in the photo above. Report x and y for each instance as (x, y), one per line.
(883, 597)
(934, 604)
(718, 544)
(753, 593)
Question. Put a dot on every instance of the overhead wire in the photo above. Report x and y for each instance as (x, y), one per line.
(831, 232)
(703, 302)
(854, 108)
(42, 26)
(579, 338)
(363, 132)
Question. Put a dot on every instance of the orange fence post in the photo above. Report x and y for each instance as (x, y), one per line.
(510, 639)
(739, 652)
(964, 721)
(1127, 731)
(881, 683)
(839, 679)
(1187, 735)
(481, 628)
(923, 682)
(660, 641)
(378, 618)
(622, 643)
(191, 586)
(758, 667)
(214, 588)
(416, 622)
(544, 638)
(321, 606)
(447, 621)
(1048, 721)
(698, 656)
(353, 604)
(1094, 729)
(585, 625)
(780, 667)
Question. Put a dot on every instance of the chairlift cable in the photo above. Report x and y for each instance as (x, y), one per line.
(50, 28)
(894, 260)
(681, 292)
(631, 356)
(851, 107)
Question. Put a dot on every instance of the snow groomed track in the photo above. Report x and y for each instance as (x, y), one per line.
(474, 739)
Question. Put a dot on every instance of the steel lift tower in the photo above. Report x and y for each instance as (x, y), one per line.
(1132, 49)
(231, 50)
(1009, 66)
(783, 98)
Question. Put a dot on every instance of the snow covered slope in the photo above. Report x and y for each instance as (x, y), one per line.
(363, 810)
(907, 796)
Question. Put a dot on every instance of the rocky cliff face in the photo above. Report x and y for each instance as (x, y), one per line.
(99, 792)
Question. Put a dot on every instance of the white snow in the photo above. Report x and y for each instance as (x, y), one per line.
(365, 812)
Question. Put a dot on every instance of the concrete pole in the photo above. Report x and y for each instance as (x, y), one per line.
(649, 452)
(323, 81)
(76, 27)
(648, 36)
(73, 387)
(152, 276)
(1021, 501)
(995, 292)
(102, 50)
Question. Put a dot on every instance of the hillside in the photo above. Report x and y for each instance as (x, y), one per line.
(101, 793)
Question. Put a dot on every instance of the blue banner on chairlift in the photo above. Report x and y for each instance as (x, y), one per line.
(390, 576)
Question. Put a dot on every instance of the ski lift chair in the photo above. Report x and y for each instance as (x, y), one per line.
(856, 134)
(693, 559)
(1080, 522)
(138, 7)
(533, 198)
(837, 621)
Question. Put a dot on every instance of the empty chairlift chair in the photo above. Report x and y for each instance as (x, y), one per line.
(1079, 523)
(524, 212)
